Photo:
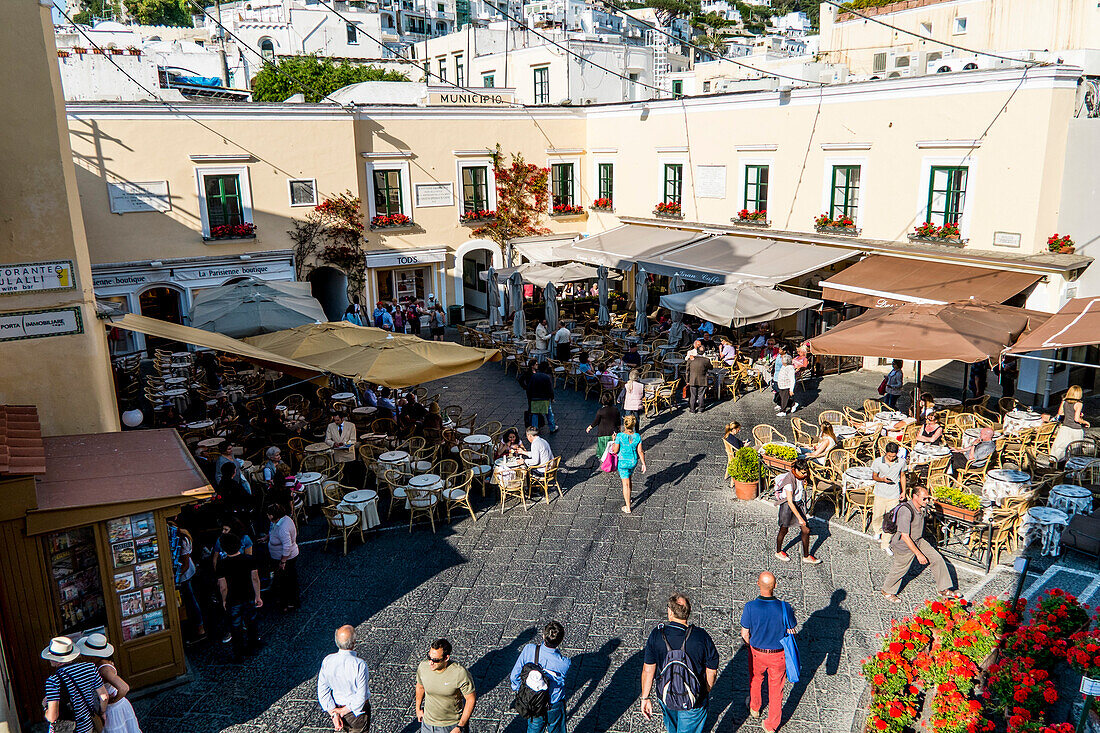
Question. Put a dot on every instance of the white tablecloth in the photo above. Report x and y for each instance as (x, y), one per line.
(365, 504)
(395, 459)
(843, 431)
(1017, 420)
(1070, 499)
(1045, 524)
(946, 403)
(889, 416)
(505, 469)
(923, 453)
(1004, 482)
(858, 477)
(311, 484)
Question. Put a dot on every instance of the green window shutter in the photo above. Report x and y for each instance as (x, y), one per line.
(387, 192)
(845, 191)
(223, 200)
(674, 183)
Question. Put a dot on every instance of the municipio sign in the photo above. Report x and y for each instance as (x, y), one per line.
(37, 277)
(470, 97)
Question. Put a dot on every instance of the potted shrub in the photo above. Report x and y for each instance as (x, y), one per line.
(779, 456)
(745, 473)
(758, 217)
(668, 209)
(1060, 245)
(602, 204)
(958, 504)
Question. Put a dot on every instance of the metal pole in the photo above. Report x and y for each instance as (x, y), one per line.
(221, 53)
(1084, 713)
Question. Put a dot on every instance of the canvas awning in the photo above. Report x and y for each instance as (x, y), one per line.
(738, 304)
(540, 249)
(541, 274)
(210, 340)
(732, 258)
(881, 281)
(1077, 324)
(620, 248)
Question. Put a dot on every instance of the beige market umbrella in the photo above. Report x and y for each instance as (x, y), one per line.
(736, 305)
(253, 306)
(966, 331)
(373, 355)
(1077, 324)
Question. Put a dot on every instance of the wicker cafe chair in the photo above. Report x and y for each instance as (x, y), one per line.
(395, 481)
(859, 500)
(834, 417)
(871, 408)
(545, 477)
(343, 523)
(854, 417)
(422, 501)
(764, 433)
(514, 485)
(457, 493)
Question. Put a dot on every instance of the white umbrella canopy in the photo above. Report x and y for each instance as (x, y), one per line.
(253, 306)
(641, 300)
(494, 299)
(540, 275)
(601, 285)
(676, 330)
(737, 304)
(550, 295)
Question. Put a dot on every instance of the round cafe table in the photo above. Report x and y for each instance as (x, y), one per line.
(182, 355)
(175, 381)
(946, 403)
(311, 484)
(1070, 499)
(592, 343)
(341, 396)
(890, 417)
(676, 362)
(199, 425)
(858, 477)
(650, 385)
(177, 397)
(425, 482)
(363, 412)
(1017, 420)
(396, 459)
(506, 468)
(923, 453)
(1045, 524)
(1001, 483)
(317, 448)
(210, 442)
(1077, 465)
(479, 443)
(974, 435)
(843, 431)
(364, 503)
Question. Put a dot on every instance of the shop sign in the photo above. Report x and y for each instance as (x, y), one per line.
(461, 98)
(19, 325)
(127, 197)
(264, 270)
(405, 260)
(117, 281)
(37, 277)
(226, 271)
(434, 194)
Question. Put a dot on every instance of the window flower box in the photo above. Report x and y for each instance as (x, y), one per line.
(79, 50)
(957, 504)
(98, 52)
(842, 224)
(117, 51)
(246, 230)
(477, 217)
(567, 210)
(390, 221)
(62, 54)
(1060, 245)
(757, 218)
(946, 234)
(669, 210)
(602, 205)
(133, 51)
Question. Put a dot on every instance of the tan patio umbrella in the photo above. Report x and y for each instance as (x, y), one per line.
(1077, 324)
(373, 355)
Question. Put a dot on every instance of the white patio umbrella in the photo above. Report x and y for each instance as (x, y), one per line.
(550, 295)
(641, 300)
(676, 331)
(601, 284)
(515, 302)
(737, 304)
(494, 299)
(253, 306)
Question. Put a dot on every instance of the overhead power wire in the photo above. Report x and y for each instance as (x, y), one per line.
(955, 46)
(662, 31)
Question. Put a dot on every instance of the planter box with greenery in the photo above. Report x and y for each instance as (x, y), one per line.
(758, 218)
(602, 205)
(563, 210)
(247, 230)
(669, 210)
(957, 504)
(779, 456)
(391, 221)
(840, 225)
(1060, 245)
(946, 234)
(745, 472)
(477, 217)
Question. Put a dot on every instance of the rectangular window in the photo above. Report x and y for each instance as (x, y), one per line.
(946, 194)
(674, 183)
(845, 196)
(542, 85)
(607, 181)
(460, 71)
(387, 192)
(353, 34)
(878, 63)
(926, 28)
(443, 70)
(561, 184)
(488, 81)
(678, 87)
(756, 187)
(303, 192)
(223, 200)
(960, 26)
(475, 188)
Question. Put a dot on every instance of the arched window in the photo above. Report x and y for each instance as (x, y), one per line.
(970, 67)
(943, 69)
(267, 49)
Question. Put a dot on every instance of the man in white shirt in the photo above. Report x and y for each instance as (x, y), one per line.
(540, 453)
(563, 341)
(340, 434)
(542, 336)
(343, 685)
(888, 471)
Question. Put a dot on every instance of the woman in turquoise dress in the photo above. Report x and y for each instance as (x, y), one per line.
(628, 447)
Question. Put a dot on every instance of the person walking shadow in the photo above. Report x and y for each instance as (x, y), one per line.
(820, 642)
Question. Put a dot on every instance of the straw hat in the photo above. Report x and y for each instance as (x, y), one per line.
(95, 645)
(61, 649)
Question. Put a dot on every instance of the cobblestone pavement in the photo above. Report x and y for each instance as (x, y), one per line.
(488, 585)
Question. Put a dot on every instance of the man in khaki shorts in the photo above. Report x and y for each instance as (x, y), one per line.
(445, 693)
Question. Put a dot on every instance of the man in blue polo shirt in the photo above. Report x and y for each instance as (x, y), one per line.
(556, 666)
(701, 660)
(764, 622)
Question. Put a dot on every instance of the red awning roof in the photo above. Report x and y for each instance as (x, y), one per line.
(21, 451)
(881, 281)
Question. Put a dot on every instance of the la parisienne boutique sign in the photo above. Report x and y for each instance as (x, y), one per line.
(37, 277)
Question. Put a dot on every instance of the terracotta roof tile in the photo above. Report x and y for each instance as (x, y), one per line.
(21, 450)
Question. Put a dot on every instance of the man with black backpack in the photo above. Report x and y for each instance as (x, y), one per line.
(908, 544)
(684, 661)
(538, 679)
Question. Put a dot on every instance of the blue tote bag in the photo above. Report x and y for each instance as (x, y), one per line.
(790, 647)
